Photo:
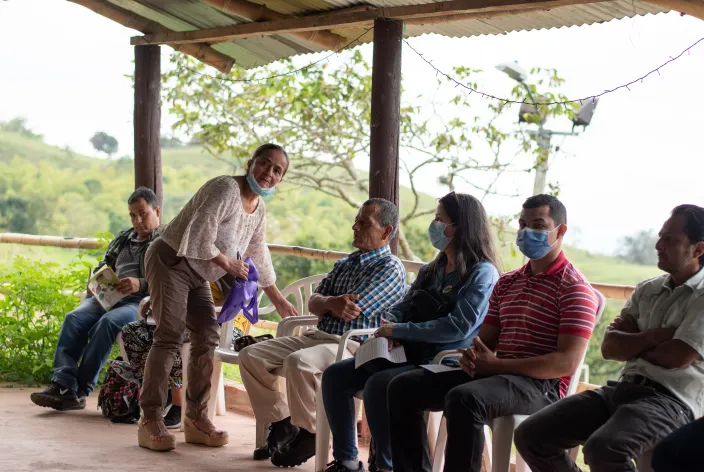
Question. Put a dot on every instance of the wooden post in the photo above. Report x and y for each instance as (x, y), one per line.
(386, 112)
(147, 119)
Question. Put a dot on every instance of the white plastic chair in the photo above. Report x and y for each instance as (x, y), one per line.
(322, 436)
(503, 428)
(301, 290)
(322, 427)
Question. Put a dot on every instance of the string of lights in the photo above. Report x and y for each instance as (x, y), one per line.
(454, 80)
(565, 102)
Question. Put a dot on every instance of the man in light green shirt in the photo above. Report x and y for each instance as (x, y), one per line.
(660, 336)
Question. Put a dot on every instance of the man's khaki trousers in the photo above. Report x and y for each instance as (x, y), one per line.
(301, 360)
(180, 299)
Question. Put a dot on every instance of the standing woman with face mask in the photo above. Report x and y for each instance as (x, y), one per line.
(442, 310)
(226, 217)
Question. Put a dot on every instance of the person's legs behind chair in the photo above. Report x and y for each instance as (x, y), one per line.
(62, 392)
(101, 339)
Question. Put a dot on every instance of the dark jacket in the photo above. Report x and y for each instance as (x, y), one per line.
(116, 245)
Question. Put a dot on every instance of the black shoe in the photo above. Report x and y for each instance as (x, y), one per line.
(295, 452)
(280, 433)
(337, 466)
(172, 419)
(59, 398)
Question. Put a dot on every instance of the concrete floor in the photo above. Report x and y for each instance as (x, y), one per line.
(39, 439)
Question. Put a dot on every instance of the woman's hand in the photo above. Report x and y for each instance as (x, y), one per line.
(385, 330)
(237, 268)
(285, 308)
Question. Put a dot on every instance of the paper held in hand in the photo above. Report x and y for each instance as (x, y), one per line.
(103, 286)
(378, 348)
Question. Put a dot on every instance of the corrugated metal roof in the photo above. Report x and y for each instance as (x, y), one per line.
(184, 15)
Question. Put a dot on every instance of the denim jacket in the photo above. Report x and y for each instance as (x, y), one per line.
(459, 327)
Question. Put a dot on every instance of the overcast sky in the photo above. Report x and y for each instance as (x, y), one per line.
(65, 71)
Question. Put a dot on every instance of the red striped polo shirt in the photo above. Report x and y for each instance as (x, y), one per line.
(531, 311)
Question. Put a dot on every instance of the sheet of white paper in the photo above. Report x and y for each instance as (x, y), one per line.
(437, 368)
(378, 348)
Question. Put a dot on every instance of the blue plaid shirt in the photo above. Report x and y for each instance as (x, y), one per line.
(378, 277)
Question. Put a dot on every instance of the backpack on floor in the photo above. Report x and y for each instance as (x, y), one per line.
(119, 394)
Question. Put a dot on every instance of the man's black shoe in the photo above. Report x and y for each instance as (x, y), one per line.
(59, 398)
(280, 433)
(172, 419)
(337, 466)
(295, 452)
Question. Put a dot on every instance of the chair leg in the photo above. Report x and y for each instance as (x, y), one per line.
(322, 434)
(502, 440)
(486, 458)
(220, 406)
(433, 419)
(215, 385)
(439, 456)
(260, 440)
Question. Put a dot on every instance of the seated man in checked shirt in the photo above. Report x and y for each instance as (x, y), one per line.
(354, 294)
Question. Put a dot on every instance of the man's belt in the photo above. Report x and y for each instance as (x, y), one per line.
(646, 382)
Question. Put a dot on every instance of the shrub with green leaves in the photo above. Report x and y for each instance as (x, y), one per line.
(34, 299)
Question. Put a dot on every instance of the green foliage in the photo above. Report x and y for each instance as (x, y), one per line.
(35, 299)
(640, 248)
(103, 142)
(19, 125)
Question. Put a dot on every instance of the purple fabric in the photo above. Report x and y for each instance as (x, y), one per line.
(242, 297)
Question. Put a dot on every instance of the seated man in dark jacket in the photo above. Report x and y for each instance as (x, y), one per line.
(88, 332)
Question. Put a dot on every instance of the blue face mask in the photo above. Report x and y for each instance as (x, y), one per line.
(436, 233)
(256, 188)
(533, 243)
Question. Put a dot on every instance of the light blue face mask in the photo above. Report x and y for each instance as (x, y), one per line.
(259, 190)
(436, 233)
(533, 243)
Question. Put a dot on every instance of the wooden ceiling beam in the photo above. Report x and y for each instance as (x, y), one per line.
(199, 50)
(354, 19)
(693, 8)
(258, 13)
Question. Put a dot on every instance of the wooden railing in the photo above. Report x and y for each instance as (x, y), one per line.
(618, 292)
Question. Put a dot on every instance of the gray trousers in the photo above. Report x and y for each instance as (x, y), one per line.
(180, 299)
(616, 424)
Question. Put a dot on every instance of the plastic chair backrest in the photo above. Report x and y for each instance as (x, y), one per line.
(301, 290)
(574, 380)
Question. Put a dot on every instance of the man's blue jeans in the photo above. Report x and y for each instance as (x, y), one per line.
(86, 339)
(341, 381)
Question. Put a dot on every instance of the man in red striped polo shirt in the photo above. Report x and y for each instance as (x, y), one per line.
(538, 326)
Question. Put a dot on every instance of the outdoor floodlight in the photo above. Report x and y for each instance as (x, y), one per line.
(513, 70)
(584, 114)
(529, 113)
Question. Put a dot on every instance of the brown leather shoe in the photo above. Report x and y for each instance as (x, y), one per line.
(152, 434)
(203, 431)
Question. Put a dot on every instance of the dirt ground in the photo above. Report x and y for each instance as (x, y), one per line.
(39, 439)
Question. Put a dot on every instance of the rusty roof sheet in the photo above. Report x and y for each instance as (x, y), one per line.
(184, 15)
